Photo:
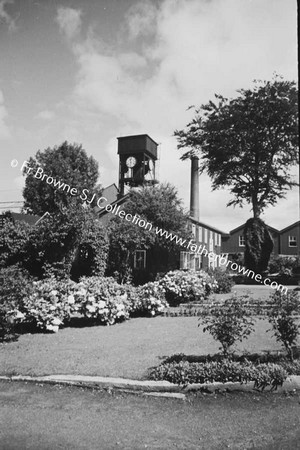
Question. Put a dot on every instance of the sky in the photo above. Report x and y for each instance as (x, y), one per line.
(89, 71)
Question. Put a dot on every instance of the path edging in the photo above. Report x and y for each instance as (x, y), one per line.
(291, 384)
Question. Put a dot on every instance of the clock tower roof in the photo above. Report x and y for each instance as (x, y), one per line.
(137, 144)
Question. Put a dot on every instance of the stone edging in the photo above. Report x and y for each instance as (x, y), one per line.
(149, 387)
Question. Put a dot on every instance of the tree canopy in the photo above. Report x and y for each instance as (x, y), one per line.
(67, 163)
(71, 241)
(248, 143)
(160, 206)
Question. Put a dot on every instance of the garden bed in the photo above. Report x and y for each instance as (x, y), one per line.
(264, 370)
(125, 350)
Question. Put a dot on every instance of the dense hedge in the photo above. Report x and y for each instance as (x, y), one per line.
(185, 373)
(71, 241)
(49, 304)
(15, 285)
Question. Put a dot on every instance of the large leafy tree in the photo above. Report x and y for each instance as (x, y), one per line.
(249, 145)
(160, 206)
(67, 163)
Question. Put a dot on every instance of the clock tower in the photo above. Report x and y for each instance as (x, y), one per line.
(137, 158)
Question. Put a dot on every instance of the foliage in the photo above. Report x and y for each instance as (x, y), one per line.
(92, 252)
(105, 300)
(223, 279)
(15, 285)
(282, 311)
(186, 286)
(67, 163)
(228, 322)
(13, 240)
(124, 238)
(248, 143)
(238, 258)
(150, 299)
(160, 206)
(259, 245)
(224, 371)
(49, 247)
(283, 265)
(50, 304)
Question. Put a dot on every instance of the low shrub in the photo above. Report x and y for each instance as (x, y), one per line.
(150, 299)
(224, 280)
(224, 371)
(282, 312)
(228, 321)
(105, 300)
(187, 286)
(50, 304)
(284, 266)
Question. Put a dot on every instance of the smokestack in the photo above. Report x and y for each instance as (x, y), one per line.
(194, 199)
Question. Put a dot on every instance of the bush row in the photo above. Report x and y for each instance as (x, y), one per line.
(50, 304)
(185, 373)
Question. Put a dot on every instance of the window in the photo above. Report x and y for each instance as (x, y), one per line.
(184, 260)
(241, 241)
(200, 234)
(190, 261)
(205, 235)
(211, 243)
(198, 262)
(216, 239)
(219, 240)
(139, 259)
(292, 241)
(194, 230)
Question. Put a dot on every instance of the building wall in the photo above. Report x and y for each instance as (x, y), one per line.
(231, 244)
(286, 248)
(206, 240)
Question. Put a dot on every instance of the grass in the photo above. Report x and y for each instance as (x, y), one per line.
(49, 417)
(124, 350)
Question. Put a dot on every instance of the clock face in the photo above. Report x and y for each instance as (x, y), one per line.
(131, 162)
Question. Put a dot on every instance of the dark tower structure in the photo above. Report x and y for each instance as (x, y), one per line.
(137, 156)
(194, 194)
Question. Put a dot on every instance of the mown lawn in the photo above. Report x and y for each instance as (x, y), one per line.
(125, 350)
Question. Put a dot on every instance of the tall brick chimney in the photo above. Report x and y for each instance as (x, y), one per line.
(194, 195)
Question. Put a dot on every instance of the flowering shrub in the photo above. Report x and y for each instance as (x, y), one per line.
(150, 299)
(105, 301)
(50, 304)
(186, 286)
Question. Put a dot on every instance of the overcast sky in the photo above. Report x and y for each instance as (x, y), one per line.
(88, 71)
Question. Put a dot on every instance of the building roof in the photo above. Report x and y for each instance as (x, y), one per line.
(119, 201)
(290, 226)
(202, 224)
(243, 225)
(137, 136)
(27, 218)
(110, 193)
